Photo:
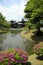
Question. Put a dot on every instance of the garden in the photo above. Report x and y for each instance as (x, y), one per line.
(23, 46)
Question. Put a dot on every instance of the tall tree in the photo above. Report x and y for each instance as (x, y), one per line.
(34, 12)
(3, 21)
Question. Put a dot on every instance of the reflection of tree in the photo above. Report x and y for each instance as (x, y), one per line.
(2, 38)
(29, 46)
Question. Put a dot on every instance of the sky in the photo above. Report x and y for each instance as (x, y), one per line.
(12, 9)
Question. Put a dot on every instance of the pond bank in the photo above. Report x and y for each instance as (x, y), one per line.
(27, 34)
(31, 35)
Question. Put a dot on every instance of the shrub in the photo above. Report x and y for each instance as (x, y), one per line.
(38, 49)
(13, 57)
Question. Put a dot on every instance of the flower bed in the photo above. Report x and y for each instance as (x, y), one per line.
(13, 57)
(38, 49)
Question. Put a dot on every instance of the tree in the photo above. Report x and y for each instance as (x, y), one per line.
(34, 12)
(3, 21)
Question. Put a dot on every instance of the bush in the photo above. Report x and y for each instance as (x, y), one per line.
(13, 57)
(38, 49)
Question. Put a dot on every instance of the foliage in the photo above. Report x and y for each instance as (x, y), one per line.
(13, 56)
(3, 23)
(34, 12)
(38, 49)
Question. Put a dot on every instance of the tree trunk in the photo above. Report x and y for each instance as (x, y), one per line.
(38, 28)
(39, 31)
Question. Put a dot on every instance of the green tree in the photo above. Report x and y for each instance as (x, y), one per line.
(3, 21)
(34, 12)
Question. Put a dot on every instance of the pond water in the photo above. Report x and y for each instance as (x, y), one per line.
(12, 40)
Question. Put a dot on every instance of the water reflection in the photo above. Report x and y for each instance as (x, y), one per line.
(29, 46)
(10, 40)
(2, 38)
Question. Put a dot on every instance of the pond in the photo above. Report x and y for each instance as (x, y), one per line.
(14, 40)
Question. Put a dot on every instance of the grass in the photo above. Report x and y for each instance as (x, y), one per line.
(15, 31)
(3, 31)
(8, 30)
(30, 35)
(27, 34)
(34, 61)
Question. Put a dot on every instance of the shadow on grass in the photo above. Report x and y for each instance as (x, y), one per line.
(37, 38)
(28, 63)
(40, 57)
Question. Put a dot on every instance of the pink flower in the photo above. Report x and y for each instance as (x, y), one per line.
(11, 55)
(1, 59)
